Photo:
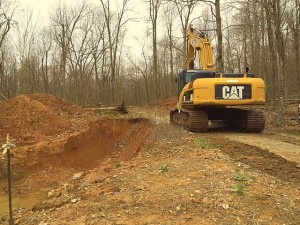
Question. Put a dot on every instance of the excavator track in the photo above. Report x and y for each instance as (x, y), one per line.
(195, 121)
(250, 121)
(198, 121)
(255, 121)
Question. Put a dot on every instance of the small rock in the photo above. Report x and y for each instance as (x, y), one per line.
(78, 175)
(42, 223)
(192, 199)
(178, 208)
(51, 193)
(225, 206)
(74, 200)
(66, 186)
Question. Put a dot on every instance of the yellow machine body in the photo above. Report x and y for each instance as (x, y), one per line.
(202, 92)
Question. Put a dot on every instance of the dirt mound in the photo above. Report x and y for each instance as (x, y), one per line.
(31, 118)
(169, 103)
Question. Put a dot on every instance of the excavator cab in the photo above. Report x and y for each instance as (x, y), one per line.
(187, 76)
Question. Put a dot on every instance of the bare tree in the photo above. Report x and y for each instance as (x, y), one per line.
(277, 11)
(115, 22)
(216, 12)
(44, 49)
(220, 62)
(293, 20)
(7, 14)
(143, 68)
(154, 6)
(184, 9)
(26, 43)
(99, 49)
(64, 22)
(169, 20)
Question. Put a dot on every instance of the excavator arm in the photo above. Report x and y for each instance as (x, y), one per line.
(199, 49)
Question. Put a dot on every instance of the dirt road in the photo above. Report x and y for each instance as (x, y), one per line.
(286, 146)
(179, 177)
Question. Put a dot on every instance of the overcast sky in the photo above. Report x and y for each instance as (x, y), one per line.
(135, 30)
(41, 7)
(44, 6)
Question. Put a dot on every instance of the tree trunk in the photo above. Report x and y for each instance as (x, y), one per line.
(220, 62)
(281, 60)
(273, 59)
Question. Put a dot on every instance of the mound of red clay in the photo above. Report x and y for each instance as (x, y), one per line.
(169, 103)
(33, 117)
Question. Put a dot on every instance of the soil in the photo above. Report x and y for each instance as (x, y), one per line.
(140, 169)
(31, 118)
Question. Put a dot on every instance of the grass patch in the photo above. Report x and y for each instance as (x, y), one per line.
(164, 168)
(204, 143)
(239, 188)
(293, 132)
(240, 177)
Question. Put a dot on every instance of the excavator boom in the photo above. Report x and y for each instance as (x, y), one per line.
(199, 48)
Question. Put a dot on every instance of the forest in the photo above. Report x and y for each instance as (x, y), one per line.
(80, 55)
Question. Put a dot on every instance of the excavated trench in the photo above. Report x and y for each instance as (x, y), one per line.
(116, 139)
(46, 163)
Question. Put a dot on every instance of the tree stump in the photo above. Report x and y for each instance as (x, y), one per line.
(121, 108)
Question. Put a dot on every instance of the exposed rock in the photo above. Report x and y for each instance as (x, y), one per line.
(225, 206)
(74, 200)
(51, 193)
(42, 223)
(78, 175)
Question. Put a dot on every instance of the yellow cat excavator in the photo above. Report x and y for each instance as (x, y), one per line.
(204, 94)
